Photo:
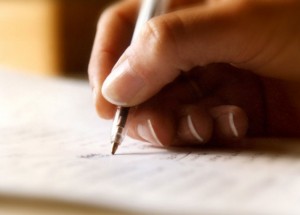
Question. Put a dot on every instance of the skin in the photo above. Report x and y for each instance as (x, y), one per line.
(207, 71)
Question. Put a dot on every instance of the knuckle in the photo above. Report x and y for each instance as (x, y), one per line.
(106, 14)
(116, 11)
(109, 12)
(158, 35)
(164, 38)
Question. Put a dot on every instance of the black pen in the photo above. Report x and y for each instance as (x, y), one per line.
(149, 9)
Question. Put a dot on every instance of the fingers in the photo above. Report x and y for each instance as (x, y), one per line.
(191, 110)
(192, 125)
(113, 36)
(114, 32)
(230, 122)
(177, 42)
(152, 124)
(195, 126)
(221, 124)
(255, 35)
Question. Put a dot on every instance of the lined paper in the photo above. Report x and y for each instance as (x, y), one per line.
(53, 145)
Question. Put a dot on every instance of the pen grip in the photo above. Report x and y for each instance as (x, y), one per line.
(122, 113)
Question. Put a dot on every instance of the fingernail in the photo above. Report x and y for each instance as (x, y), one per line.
(147, 132)
(227, 121)
(122, 85)
(232, 125)
(193, 130)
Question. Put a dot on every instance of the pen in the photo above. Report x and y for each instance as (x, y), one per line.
(149, 9)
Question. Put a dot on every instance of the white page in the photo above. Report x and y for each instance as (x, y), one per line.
(53, 145)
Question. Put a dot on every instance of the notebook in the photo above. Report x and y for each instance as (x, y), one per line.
(53, 146)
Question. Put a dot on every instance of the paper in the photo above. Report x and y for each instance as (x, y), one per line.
(52, 145)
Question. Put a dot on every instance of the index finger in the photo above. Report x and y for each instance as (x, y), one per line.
(113, 36)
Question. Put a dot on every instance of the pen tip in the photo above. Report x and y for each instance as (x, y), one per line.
(114, 148)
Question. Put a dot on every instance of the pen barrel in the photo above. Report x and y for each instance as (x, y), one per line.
(149, 9)
(119, 125)
(121, 116)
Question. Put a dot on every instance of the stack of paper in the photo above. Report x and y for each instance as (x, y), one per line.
(52, 145)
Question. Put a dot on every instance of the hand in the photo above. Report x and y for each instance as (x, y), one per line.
(261, 36)
(203, 105)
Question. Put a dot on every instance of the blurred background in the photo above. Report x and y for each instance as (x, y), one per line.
(51, 37)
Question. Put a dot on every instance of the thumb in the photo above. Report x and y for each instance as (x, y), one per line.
(226, 31)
